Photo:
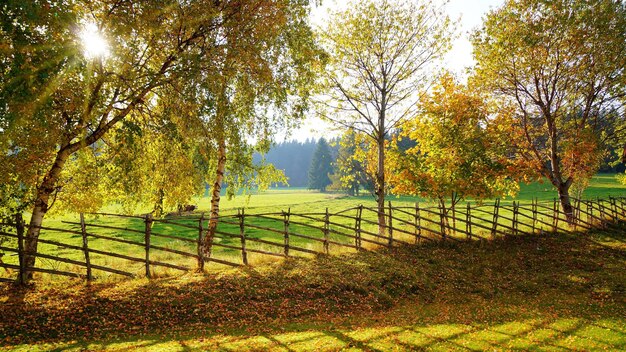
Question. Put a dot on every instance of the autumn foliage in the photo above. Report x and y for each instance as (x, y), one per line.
(459, 150)
(560, 66)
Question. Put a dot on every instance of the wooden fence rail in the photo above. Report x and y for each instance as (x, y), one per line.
(282, 234)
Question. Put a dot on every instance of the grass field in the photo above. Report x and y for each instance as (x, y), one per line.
(602, 185)
(550, 293)
(297, 200)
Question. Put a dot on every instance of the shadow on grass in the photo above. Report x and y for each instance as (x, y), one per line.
(454, 296)
(565, 333)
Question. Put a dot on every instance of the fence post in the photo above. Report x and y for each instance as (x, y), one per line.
(453, 208)
(534, 210)
(555, 216)
(357, 227)
(326, 231)
(576, 213)
(242, 235)
(390, 243)
(515, 216)
(619, 208)
(148, 231)
(286, 231)
(496, 210)
(19, 228)
(418, 223)
(614, 208)
(83, 230)
(442, 216)
(601, 210)
(468, 222)
(621, 202)
(199, 244)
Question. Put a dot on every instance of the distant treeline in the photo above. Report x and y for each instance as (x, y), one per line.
(611, 162)
(294, 158)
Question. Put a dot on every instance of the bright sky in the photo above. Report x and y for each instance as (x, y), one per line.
(468, 13)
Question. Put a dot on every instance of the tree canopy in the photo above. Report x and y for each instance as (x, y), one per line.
(381, 57)
(560, 65)
(350, 170)
(60, 95)
(457, 152)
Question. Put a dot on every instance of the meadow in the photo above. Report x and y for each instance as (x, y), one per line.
(271, 203)
(303, 200)
(553, 292)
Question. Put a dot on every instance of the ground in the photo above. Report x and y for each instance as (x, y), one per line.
(551, 292)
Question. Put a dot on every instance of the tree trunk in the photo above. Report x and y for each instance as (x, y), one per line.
(380, 186)
(41, 207)
(445, 225)
(158, 206)
(215, 198)
(566, 204)
(556, 175)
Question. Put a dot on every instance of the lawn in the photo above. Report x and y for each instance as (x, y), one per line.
(556, 292)
(302, 200)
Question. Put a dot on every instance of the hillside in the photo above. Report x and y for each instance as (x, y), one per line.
(562, 291)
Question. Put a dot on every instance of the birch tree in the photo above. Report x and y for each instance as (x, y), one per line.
(261, 84)
(73, 71)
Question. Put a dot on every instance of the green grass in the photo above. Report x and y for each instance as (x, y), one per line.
(557, 292)
(298, 201)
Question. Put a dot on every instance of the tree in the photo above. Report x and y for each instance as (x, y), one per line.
(355, 165)
(139, 164)
(348, 173)
(457, 153)
(321, 167)
(60, 95)
(381, 53)
(262, 77)
(560, 64)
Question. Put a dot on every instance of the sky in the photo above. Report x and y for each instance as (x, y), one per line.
(467, 13)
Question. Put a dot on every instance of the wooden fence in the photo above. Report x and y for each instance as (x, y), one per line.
(86, 247)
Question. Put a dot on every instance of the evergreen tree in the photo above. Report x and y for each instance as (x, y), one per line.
(320, 168)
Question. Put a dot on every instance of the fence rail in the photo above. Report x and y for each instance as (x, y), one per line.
(279, 234)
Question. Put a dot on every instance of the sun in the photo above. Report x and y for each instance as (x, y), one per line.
(94, 44)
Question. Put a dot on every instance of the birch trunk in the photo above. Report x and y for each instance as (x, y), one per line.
(215, 199)
(41, 207)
